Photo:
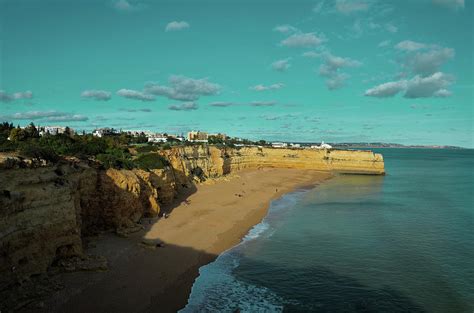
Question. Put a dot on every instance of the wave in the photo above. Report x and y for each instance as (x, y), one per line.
(217, 289)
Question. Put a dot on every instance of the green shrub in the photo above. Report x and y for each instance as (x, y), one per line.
(151, 161)
(148, 148)
(116, 158)
(7, 145)
(34, 150)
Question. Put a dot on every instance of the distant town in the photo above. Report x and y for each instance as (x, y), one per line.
(147, 136)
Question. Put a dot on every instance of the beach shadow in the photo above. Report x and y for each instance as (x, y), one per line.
(141, 278)
(184, 188)
(148, 279)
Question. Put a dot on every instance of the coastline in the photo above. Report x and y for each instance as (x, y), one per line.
(201, 226)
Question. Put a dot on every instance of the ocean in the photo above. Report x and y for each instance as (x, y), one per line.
(399, 243)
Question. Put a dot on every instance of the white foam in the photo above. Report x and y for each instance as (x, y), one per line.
(256, 231)
(217, 290)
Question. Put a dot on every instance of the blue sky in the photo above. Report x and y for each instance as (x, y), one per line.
(334, 70)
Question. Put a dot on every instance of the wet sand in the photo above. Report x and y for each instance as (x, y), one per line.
(143, 278)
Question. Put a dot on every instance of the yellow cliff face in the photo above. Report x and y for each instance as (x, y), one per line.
(120, 199)
(46, 209)
(40, 217)
(216, 162)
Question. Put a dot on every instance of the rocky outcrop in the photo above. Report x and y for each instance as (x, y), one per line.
(45, 209)
(120, 199)
(40, 217)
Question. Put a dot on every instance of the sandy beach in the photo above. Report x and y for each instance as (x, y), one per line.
(201, 225)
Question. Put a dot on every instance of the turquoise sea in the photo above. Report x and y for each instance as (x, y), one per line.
(399, 243)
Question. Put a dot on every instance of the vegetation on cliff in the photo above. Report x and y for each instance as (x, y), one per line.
(119, 151)
(110, 151)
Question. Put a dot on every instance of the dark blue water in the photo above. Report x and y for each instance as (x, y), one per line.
(399, 243)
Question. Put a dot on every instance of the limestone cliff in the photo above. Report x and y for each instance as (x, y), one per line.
(119, 200)
(46, 209)
(40, 217)
(216, 162)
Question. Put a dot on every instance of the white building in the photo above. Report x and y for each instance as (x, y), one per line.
(295, 145)
(197, 136)
(322, 146)
(279, 145)
(176, 137)
(54, 130)
(156, 138)
(101, 132)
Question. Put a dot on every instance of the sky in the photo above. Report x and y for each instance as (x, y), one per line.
(335, 70)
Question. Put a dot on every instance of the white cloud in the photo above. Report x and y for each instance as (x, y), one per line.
(302, 40)
(391, 28)
(425, 87)
(426, 63)
(134, 94)
(125, 6)
(357, 29)
(408, 45)
(336, 81)
(262, 103)
(186, 106)
(319, 6)
(423, 59)
(6, 97)
(349, 7)
(311, 54)
(384, 43)
(331, 70)
(175, 25)
(274, 117)
(136, 110)
(281, 65)
(269, 87)
(386, 90)
(452, 4)
(443, 93)
(184, 88)
(46, 116)
(417, 87)
(67, 118)
(335, 62)
(99, 95)
(222, 104)
(23, 95)
(284, 29)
